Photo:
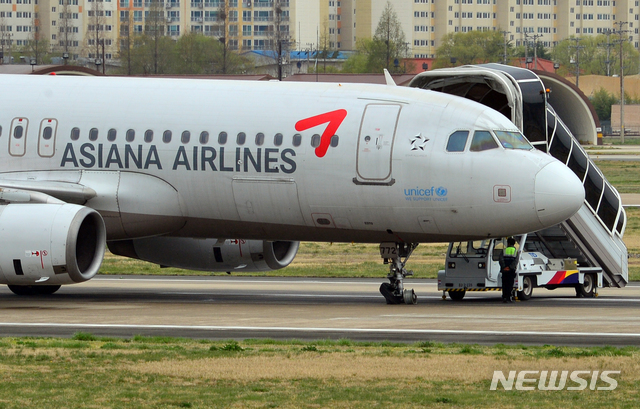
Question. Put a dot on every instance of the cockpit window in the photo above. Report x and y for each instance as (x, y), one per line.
(513, 140)
(482, 141)
(457, 141)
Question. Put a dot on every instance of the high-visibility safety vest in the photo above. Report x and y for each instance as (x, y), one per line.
(510, 251)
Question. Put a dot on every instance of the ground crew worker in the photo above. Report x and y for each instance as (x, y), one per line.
(508, 264)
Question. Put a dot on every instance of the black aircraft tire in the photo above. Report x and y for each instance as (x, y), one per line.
(456, 295)
(33, 289)
(386, 290)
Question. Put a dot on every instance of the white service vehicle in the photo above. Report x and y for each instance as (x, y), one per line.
(475, 266)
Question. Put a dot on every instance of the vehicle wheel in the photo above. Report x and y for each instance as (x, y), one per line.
(410, 297)
(527, 288)
(386, 290)
(34, 289)
(457, 295)
(588, 289)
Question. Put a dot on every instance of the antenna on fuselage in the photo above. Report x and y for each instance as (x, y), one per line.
(389, 79)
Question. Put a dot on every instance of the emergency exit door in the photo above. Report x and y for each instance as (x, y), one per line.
(375, 144)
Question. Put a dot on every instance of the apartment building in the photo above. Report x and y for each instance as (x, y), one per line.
(90, 29)
(426, 22)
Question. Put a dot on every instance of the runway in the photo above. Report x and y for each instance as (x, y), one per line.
(310, 309)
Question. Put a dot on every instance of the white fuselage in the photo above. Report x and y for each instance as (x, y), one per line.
(389, 176)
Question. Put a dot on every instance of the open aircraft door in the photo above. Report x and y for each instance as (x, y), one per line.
(375, 144)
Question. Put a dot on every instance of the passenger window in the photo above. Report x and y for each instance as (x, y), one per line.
(315, 140)
(334, 141)
(241, 138)
(17, 132)
(259, 139)
(166, 136)
(47, 133)
(93, 134)
(297, 139)
(222, 138)
(148, 136)
(482, 141)
(111, 135)
(457, 141)
(131, 135)
(186, 137)
(75, 134)
(204, 137)
(277, 139)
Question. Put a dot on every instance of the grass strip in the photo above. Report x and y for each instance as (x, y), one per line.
(164, 372)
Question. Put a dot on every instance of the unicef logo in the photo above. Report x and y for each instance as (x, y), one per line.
(441, 191)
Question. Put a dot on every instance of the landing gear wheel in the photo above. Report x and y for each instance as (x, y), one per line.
(527, 288)
(396, 255)
(33, 289)
(410, 297)
(386, 290)
(457, 295)
(588, 289)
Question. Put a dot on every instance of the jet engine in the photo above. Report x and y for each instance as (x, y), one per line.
(209, 254)
(46, 245)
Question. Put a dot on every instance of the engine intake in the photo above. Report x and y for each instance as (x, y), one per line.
(50, 244)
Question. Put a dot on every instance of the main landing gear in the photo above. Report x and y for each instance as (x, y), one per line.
(396, 255)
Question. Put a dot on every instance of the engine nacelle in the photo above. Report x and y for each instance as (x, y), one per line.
(209, 254)
(50, 244)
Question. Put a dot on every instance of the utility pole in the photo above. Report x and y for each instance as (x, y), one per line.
(577, 61)
(535, 48)
(608, 45)
(622, 33)
(505, 34)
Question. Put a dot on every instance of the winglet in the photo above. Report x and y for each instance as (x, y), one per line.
(388, 78)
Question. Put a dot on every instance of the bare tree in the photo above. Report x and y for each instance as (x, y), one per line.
(66, 30)
(95, 33)
(125, 40)
(155, 30)
(280, 37)
(223, 18)
(5, 41)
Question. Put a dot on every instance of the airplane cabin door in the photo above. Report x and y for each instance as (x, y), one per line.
(375, 144)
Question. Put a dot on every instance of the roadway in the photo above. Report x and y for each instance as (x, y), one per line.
(230, 307)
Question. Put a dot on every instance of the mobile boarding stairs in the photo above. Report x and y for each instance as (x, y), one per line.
(589, 244)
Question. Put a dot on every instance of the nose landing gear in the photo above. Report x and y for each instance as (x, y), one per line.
(396, 255)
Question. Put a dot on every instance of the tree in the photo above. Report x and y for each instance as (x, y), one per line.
(385, 48)
(602, 102)
(593, 56)
(470, 48)
(66, 30)
(389, 32)
(154, 30)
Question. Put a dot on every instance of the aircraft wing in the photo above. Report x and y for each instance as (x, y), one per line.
(44, 191)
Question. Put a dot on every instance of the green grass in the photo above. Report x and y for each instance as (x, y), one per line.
(624, 175)
(147, 372)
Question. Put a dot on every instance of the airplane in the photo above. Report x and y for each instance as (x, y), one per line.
(174, 171)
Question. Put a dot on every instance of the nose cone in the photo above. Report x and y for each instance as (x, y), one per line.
(559, 194)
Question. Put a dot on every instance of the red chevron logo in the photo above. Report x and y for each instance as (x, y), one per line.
(334, 118)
